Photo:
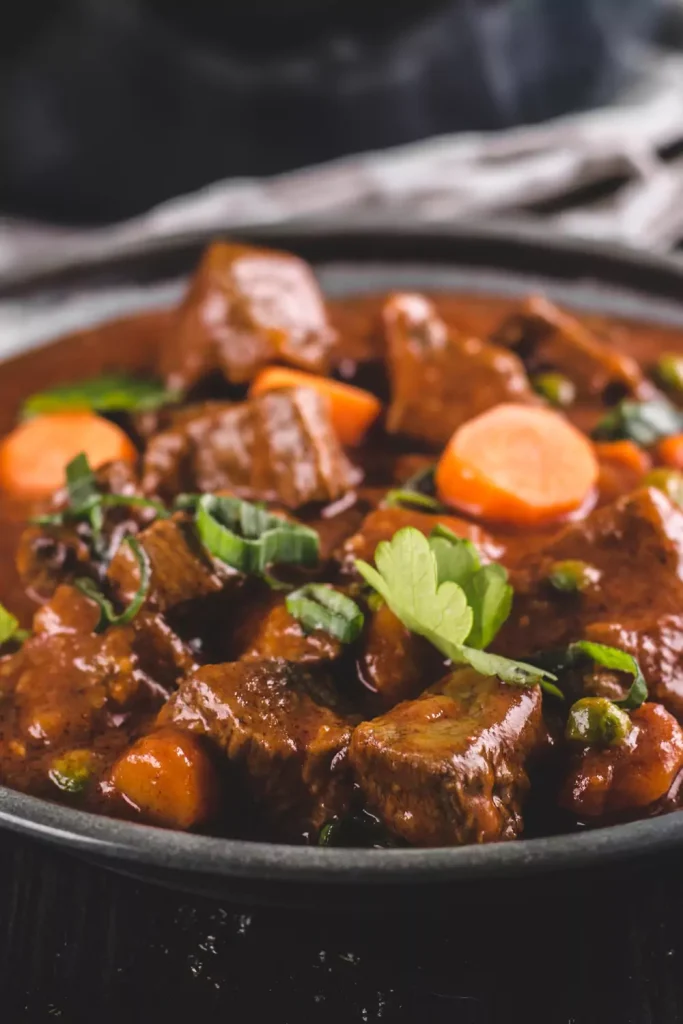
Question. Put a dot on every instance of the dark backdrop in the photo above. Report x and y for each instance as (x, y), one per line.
(108, 107)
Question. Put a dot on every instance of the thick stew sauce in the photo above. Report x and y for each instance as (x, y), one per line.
(403, 569)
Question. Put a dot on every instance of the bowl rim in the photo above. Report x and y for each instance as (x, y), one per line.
(119, 841)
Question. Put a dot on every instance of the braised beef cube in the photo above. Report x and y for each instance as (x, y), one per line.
(278, 447)
(265, 629)
(623, 780)
(635, 550)
(450, 767)
(181, 569)
(163, 655)
(395, 664)
(66, 685)
(547, 338)
(282, 726)
(439, 378)
(383, 523)
(247, 307)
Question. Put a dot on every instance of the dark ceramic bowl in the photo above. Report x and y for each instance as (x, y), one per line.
(504, 261)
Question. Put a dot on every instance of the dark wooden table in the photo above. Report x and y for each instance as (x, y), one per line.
(80, 944)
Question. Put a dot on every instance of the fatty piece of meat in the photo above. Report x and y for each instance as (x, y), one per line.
(622, 780)
(278, 447)
(439, 378)
(635, 603)
(382, 524)
(450, 768)
(282, 727)
(181, 569)
(247, 307)
(547, 338)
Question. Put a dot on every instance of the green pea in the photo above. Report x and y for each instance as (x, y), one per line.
(572, 576)
(557, 389)
(597, 721)
(668, 371)
(72, 771)
(670, 481)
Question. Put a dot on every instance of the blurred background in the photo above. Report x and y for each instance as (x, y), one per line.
(111, 107)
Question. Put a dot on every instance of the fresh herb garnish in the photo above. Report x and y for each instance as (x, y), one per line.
(642, 422)
(9, 628)
(572, 576)
(585, 652)
(597, 721)
(418, 491)
(86, 503)
(251, 539)
(438, 589)
(108, 615)
(114, 392)
(71, 772)
(318, 606)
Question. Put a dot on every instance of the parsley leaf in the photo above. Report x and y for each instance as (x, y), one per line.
(438, 589)
(9, 628)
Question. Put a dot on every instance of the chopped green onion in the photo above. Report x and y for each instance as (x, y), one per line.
(318, 606)
(71, 772)
(249, 538)
(109, 393)
(572, 576)
(669, 481)
(134, 501)
(108, 616)
(668, 371)
(597, 721)
(642, 422)
(557, 389)
(9, 628)
(328, 833)
(400, 498)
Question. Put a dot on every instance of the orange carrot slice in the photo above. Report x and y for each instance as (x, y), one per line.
(33, 457)
(517, 464)
(670, 451)
(352, 410)
(626, 454)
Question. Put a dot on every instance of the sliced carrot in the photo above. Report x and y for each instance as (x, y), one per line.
(34, 455)
(670, 451)
(352, 409)
(168, 779)
(517, 464)
(626, 454)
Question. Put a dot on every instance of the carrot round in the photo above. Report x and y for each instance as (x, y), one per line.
(626, 454)
(352, 410)
(670, 451)
(517, 464)
(168, 779)
(33, 457)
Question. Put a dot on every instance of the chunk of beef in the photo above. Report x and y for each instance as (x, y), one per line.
(264, 629)
(247, 307)
(635, 602)
(394, 663)
(65, 686)
(449, 768)
(624, 779)
(546, 338)
(439, 378)
(279, 447)
(283, 728)
(382, 524)
(181, 569)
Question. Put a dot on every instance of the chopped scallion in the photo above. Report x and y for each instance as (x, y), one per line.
(318, 606)
(108, 615)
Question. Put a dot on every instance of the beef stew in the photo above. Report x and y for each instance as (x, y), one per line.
(248, 626)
